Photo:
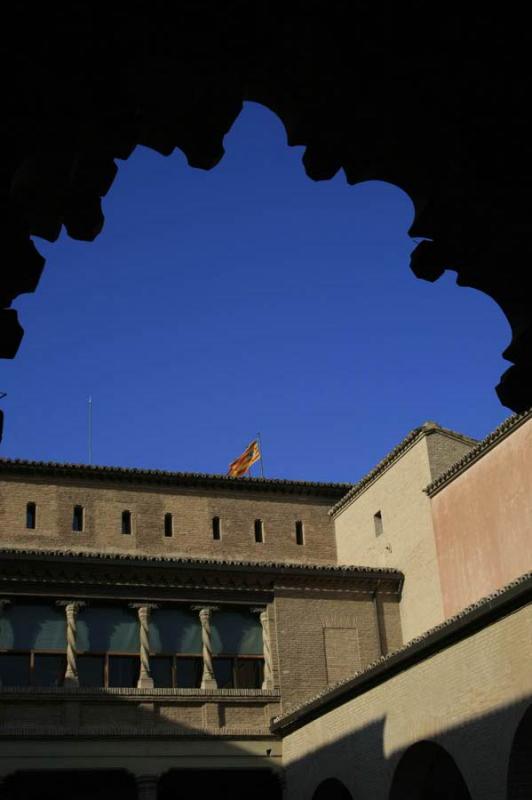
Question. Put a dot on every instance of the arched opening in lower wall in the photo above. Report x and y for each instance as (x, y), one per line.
(332, 789)
(520, 764)
(427, 772)
(56, 784)
(222, 784)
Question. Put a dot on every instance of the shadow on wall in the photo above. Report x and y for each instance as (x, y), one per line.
(140, 748)
(487, 758)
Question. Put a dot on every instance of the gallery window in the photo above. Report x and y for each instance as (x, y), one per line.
(175, 648)
(77, 519)
(31, 516)
(168, 525)
(216, 529)
(32, 645)
(108, 646)
(237, 649)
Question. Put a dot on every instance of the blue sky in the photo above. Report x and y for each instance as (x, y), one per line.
(217, 304)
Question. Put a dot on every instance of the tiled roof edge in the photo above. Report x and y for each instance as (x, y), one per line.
(415, 435)
(22, 466)
(497, 604)
(209, 563)
(492, 439)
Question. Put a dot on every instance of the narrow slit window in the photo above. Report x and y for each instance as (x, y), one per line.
(77, 519)
(259, 531)
(377, 521)
(126, 522)
(300, 539)
(168, 525)
(216, 529)
(31, 516)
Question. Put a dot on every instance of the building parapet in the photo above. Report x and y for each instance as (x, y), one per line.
(167, 478)
(492, 440)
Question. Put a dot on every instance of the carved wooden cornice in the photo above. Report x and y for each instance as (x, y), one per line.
(38, 568)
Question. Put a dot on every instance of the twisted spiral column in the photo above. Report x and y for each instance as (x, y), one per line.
(145, 680)
(208, 680)
(267, 682)
(71, 610)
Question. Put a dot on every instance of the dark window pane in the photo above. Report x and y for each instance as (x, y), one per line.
(31, 515)
(299, 532)
(33, 626)
(223, 671)
(175, 630)
(123, 671)
(126, 522)
(168, 525)
(236, 633)
(77, 518)
(216, 528)
(90, 670)
(48, 670)
(161, 671)
(259, 531)
(14, 669)
(111, 629)
(189, 672)
(248, 673)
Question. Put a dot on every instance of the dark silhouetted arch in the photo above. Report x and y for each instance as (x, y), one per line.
(222, 784)
(427, 772)
(331, 789)
(520, 765)
(55, 784)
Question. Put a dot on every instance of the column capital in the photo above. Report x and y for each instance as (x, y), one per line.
(4, 602)
(74, 604)
(148, 606)
(205, 607)
(147, 786)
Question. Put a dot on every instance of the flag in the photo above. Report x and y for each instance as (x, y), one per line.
(241, 464)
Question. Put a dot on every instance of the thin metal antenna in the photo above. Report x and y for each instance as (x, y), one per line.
(90, 429)
(261, 458)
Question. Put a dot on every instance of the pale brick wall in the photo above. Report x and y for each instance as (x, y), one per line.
(192, 509)
(407, 542)
(469, 698)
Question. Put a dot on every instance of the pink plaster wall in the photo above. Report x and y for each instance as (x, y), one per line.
(483, 523)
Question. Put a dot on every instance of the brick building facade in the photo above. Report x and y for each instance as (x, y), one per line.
(163, 633)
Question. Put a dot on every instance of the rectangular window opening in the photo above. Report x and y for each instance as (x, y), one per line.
(216, 529)
(300, 539)
(377, 521)
(126, 523)
(168, 525)
(31, 516)
(259, 531)
(77, 519)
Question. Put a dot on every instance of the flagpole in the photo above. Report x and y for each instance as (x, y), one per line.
(261, 459)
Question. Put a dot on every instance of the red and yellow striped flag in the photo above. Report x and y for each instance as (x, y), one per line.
(241, 464)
